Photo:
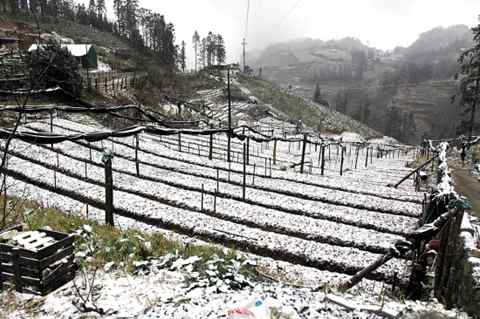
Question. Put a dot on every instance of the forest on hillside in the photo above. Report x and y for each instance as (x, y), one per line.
(405, 93)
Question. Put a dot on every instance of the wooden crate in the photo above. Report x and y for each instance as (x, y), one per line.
(40, 270)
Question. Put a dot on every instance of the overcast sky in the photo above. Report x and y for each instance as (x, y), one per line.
(383, 24)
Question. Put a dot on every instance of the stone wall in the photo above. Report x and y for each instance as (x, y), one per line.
(465, 275)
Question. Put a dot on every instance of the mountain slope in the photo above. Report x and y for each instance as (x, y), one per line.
(417, 80)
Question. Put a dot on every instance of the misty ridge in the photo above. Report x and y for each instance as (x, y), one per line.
(405, 92)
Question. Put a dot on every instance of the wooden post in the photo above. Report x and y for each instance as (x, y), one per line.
(270, 165)
(218, 178)
(180, 142)
(356, 156)
(229, 116)
(362, 273)
(253, 176)
(215, 201)
(302, 163)
(137, 164)
(414, 171)
(51, 123)
(266, 166)
(366, 156)
(322, 150)
(248, 150)
(341, 162)
(244, 170)
(201, 204)
(275, 152)
(107, 159)
(229, 169)
(210, 149)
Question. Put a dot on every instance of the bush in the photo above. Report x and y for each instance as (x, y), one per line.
(52, 66)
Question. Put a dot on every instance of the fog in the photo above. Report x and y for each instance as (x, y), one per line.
(380, 23)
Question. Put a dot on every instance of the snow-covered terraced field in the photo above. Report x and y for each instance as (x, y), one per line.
(333, 223)
(308, 197)
(373, 179)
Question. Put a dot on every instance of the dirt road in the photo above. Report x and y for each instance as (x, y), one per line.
(469, 186)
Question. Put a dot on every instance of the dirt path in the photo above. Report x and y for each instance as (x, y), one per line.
(467, 185)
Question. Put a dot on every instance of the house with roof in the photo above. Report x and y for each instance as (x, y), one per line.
(85, 53)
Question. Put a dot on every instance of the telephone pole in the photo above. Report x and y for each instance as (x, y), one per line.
(244, 43)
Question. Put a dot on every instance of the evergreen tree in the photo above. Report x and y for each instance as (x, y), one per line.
(196, 44)
(53, 8)
(203, 53)
(341, 101)
(220, 49)
(182, 58)
(53, 66)
(24, 5)
(92, 13)
(317, 94)
(101, 9)
(210, 48)
(33, 6)
(469, 76)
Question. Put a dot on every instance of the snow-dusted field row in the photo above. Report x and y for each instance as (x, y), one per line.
(233, 210)
(315, 195)
(350, 181)
(167, 174)
(287, 155)
(335, 258)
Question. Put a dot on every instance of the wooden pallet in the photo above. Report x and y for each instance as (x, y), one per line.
(41, 263)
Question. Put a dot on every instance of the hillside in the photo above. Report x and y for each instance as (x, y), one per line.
(317, 116)
(363, 75)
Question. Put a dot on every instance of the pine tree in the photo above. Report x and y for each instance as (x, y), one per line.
(469, 76)
(24, 5)
(317, 94)
(33, 6)
(196, 43)
(341, 101)
(210, 43)
(101, 9)
(182, 58)
(92, 12)
(203, 53)
(220, 49)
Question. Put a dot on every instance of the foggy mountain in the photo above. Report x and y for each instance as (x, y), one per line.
(400, 92)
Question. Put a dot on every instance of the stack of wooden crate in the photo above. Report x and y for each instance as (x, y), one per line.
(35, 261)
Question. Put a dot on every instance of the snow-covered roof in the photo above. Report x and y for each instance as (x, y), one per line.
(77, 50)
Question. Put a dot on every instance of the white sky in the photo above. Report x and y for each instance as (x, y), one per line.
(383, 24)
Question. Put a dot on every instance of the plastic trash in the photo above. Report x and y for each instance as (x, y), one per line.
(262, 309)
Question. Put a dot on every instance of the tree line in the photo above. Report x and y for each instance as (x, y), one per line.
(140, 27)
(209, 50)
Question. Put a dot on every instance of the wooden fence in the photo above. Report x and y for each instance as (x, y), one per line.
(111, 82)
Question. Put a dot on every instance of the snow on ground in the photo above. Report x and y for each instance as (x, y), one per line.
(337, 224)
(159, 291)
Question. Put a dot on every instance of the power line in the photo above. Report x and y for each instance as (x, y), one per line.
(288, 13)
(246, 21)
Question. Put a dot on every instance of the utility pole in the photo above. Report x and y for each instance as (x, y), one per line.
(244, 43)
(229, 116)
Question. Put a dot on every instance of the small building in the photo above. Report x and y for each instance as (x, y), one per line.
(85, 53)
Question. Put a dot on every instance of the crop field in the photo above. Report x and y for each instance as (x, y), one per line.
(332, 222)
